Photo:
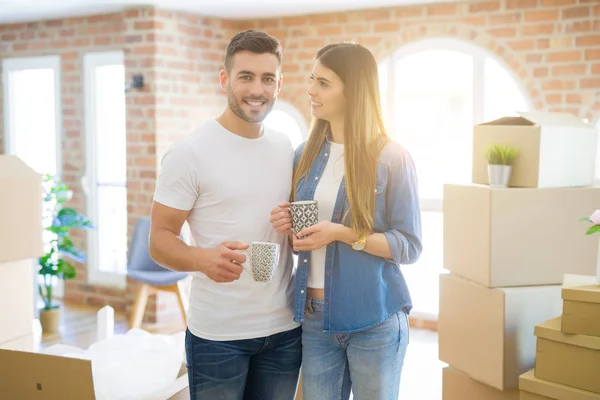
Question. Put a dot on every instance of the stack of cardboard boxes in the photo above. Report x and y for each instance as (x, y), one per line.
(508, 249)
(567, 365)
(20, 246)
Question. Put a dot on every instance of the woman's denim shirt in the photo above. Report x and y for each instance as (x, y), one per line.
(363, 290)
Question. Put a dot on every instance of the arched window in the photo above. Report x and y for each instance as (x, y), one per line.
(433, 92)
(286, 119)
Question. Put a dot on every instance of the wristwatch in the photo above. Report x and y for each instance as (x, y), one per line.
(360, 244)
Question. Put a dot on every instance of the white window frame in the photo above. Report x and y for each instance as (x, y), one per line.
(479, 55)
(23, 63)
(90, 62)
(435, 205)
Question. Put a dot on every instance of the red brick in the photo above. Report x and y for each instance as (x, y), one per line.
(589, 83)
(8, 37)
(295, 21)
(540, 72)
(442, 9)
(564, 56)
(409, 12)
(596, 69)
(576, 12)
(541, 15)
(484, 6)
(475, 20)
(387, 27)
(573, 98)
(558, 2)
(538, 29)
(587, 41)
(573, 69)
(577, 26)
(520, 4)
(377, 14)
(503, 32)
(554, 98)
(543, 43)
(329, 30)
(521, 45)
(558, 84)
(504, 19)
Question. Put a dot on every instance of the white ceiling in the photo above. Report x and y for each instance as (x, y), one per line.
(33, 10)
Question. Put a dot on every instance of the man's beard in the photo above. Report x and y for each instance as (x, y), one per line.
(237, 109)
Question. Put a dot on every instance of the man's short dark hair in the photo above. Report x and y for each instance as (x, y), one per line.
(255, 41)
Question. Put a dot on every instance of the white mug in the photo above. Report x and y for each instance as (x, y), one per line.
(262, 259)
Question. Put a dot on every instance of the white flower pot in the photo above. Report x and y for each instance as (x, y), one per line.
(499, 175)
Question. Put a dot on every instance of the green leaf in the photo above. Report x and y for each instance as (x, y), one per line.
(593, 229)
(586, 219)
(501, 154)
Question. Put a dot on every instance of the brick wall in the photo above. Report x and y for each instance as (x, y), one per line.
(553, 46)
(179, 55)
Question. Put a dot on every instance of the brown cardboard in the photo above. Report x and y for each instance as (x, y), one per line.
(555, 149)
(581, 305)
(488, 333)
(20, 210)
(571, 360)
(518, 237)
(22, 343)
(16, 298)
(533, 388)
(28, 375)
(457, 385)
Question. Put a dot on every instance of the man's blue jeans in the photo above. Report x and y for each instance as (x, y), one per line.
(254, 369)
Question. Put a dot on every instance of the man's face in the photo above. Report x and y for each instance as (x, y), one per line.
(253, 84)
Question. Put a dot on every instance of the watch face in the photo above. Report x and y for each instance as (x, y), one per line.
(358, 246)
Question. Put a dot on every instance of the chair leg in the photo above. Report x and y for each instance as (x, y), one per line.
(139, 307)
(183, 302)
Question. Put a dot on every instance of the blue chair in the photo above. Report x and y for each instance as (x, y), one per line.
(151, 276)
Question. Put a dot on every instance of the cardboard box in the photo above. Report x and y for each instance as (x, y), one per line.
(23, 343)
(20, 210)
(581, 305)
(532, 388)
(28, 375)
(518, 237)
(457, 385)
(16, 297)
(555, 149)
(571, 360)
(488, 333)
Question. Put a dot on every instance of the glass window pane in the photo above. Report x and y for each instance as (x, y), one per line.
(109, 110)
(502, 96)
(423, 276)
(112, 229)
(283, 122)
(434, 114)
(32, 118)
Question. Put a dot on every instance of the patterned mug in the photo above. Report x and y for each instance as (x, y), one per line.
(262, 259)
(304, 214)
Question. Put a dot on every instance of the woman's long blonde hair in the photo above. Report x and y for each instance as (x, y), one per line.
(364, 131)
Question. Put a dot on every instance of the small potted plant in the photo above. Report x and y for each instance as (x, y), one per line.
(58, 223)
(594, 219)
(500, 158)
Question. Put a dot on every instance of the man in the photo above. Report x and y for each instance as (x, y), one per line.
(224, 179)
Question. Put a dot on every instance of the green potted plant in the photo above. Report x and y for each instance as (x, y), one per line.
(54, 264)
(500, 158)
(594, 219)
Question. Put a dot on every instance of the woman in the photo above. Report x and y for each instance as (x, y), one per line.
(350, 294)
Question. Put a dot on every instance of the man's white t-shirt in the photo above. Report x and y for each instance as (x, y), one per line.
(231, 184)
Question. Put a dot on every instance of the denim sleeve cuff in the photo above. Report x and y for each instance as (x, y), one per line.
(394, 244)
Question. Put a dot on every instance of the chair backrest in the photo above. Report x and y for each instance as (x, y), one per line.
(139, 255)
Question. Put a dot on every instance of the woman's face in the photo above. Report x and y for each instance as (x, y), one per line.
(326, 92)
